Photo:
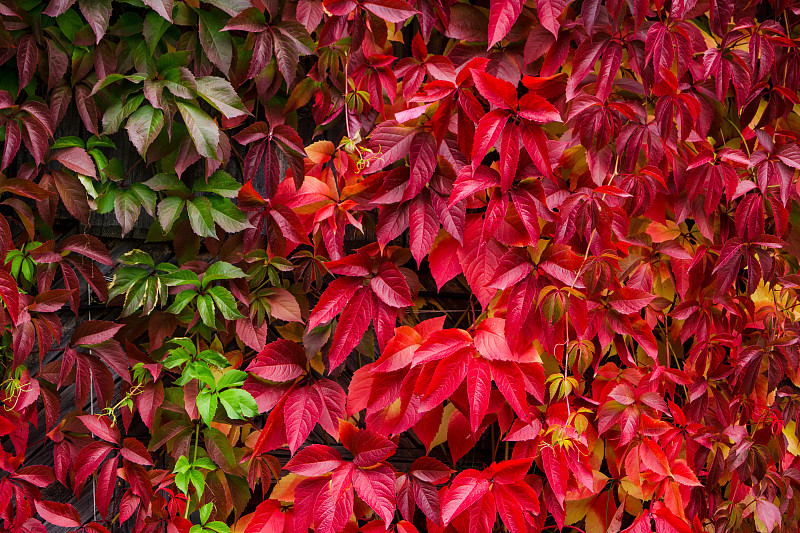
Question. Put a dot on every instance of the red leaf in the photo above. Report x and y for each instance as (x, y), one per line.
(134, 451)
(38, 475)
(9, 292)
(508, 377)
(267, 518)
(280, 361)
(430, 470)
(88, 246)
(390, 285)
(509, 156)
(300, 415)
(376, 488)
(768, 513)
(94, 332)
(489, 129)
(333, 300)
(72, 194)
(499, 93)
(683, 474)
(502, 15)
(467, 488)
(368, 448)
(58, 514)
(422, 159)
(511, 511)
(479, 387)
(150, 399)
(628, 301)
(443, 258)
(549, 11)
(391, 10)
(332, 405)
(557, 473)
(353, 323)
(424, 227)
(102, 427)
(76, 159)
(314, 460)
(427, 498)
(27, 58)
(89, 459)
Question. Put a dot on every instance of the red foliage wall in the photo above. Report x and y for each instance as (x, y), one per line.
(504, 265)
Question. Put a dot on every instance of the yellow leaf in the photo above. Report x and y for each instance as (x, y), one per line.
(792, 445)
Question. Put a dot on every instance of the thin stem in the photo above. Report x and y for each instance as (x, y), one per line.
(194, 459)
(346, 87)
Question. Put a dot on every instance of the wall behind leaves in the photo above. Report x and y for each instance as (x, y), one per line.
(432, 266)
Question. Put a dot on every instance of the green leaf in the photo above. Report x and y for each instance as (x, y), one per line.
(126, 209)
(220, 182)
(216, 43)
(220, 94)
(154, 27)
(185, 343)
(225, 302)
(205, 462)
(134, 297)
(221, 270)
(114, 77)
(207, 406)
(205, 305)
(182, 465)
(238, 403)
(182, 481)
(166, 182)
(147, 198)
(144, 126)
(176, 358)
(231, 378)
(124, 279)
(172, 60)
(181, 301)
(137, 257)
(228, 216)
(205, 512)
(214, 358)
(218, 527)
(202, 129)
(118, 111)
(201, 371)
(70, 24)
(105, 202)
(99, 142)
(200, 217)
(180, 277)
(169, 210)
(197, 479)
(68, 141)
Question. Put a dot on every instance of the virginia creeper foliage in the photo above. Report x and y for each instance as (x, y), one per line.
(411, 265)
